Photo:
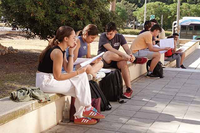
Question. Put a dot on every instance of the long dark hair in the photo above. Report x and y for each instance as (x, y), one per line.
(61, 33)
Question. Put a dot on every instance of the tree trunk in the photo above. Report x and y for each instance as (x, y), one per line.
(112, 5)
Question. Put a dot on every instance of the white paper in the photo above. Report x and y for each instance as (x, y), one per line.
(160, 51)
(105, 70)
(167, 43)
(91, 60)
(80, 60)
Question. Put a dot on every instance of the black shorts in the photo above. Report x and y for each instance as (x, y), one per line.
(113, 64)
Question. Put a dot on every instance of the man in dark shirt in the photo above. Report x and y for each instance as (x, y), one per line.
(111, 41)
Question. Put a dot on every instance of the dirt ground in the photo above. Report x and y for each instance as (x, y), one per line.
(18, 69)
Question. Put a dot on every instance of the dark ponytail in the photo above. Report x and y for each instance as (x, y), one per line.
(62, 32)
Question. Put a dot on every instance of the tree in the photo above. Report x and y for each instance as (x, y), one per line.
(125, 10)
(43, 17)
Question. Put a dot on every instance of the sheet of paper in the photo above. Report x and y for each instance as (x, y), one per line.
(80, 60)
(160, 51)
(91, 60)
(167, 43)
(105, 70)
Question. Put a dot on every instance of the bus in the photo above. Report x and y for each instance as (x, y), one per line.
(189, 27)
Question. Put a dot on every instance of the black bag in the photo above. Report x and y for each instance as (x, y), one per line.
(111, 85)
(96, 92)
(158, 70)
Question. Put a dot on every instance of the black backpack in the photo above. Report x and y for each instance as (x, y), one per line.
(111, 85)
(96, 92)
(158, 70)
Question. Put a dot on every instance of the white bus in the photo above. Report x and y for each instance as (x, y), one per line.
(189, 27)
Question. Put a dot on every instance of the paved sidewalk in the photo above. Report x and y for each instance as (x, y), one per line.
(167, 105)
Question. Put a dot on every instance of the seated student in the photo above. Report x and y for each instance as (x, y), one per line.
(143, 41)
(89, 33)
(73, 83)
(172, 54)
(147, 26)
(161, 35)
(111, 41)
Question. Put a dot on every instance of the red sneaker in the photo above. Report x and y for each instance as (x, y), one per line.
(92, 113)
(85, 121)
(127, 94)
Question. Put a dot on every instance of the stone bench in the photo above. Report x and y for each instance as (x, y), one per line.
(34, 117)
(31, 117)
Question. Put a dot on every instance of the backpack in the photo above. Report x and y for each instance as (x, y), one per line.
(111, 85)
(96, 92)
(96, 103)
(158, 70)
(168, 53)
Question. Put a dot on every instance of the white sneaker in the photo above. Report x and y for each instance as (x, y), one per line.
(90, 77)
(99, 76)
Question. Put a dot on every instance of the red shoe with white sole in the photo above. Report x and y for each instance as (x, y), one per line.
(85, 121)
(92, 113)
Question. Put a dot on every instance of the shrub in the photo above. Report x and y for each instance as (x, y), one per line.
(43, 17)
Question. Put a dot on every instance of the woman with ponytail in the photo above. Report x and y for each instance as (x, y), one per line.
(83, 49)
(74, 83)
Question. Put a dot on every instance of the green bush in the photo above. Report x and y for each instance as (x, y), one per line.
(43, 17)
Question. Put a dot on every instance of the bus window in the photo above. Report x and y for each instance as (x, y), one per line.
(183, 29)
(190, 30)
(197, 29)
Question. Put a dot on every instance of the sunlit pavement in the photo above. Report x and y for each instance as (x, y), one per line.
(167, 105)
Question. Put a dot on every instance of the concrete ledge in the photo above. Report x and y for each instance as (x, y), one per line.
(188, 48)
(31, 117)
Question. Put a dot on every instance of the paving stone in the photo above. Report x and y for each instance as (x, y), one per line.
(189, 128)
(144, 115)
(184, 98)
(133, 129)
(123, 112)
(155, 130)
(98, 131)
(135, 102)
(140, 122)
(116, 118)
(130, 107)
(63, 128)
(170, 126)
(109, 126)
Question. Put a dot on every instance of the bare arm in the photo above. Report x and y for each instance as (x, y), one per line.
(155, 49)
(57, 58)
(77, 49)
(110, 48)
(88, 51)
(127, 49)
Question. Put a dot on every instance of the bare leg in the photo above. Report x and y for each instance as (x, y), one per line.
(110, 56)
(94, 68)
(182, 58)
(125, 72)
(155, 60)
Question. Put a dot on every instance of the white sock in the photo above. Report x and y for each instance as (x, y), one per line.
(88, 108)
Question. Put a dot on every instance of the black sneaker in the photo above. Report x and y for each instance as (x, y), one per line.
(183, 67)
(151, 75)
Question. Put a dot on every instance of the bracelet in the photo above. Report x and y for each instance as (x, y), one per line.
(71, 56)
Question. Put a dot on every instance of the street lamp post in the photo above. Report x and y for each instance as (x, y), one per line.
(178, 16)
(145, 10)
